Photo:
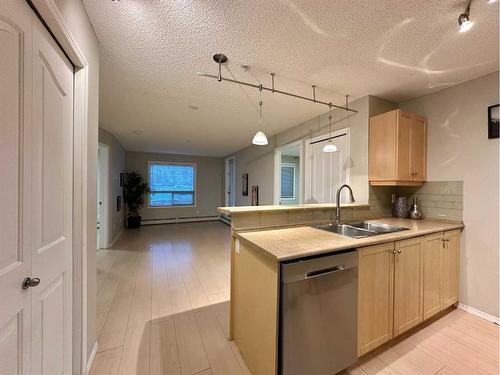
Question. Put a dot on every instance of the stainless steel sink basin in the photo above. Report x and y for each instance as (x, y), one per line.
(361, 229)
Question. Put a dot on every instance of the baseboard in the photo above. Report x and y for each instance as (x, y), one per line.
(91, 358)
(225, 220)
(116, 237)
(178, 220)
(478, 313)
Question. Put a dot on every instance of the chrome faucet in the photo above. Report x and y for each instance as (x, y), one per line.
(337, 209)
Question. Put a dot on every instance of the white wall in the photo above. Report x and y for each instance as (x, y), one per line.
(116, 166)
(76, 19)
(209, 171)
(459, 149)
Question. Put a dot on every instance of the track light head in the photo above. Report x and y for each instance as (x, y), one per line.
(464, 22)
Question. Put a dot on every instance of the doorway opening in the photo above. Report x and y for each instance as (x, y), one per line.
(102, 196)
(288, 172)
(230, 188)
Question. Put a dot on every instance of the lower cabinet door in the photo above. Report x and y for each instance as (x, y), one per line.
(432, 264)
(450, 268)
(408, 284)
(375, 296)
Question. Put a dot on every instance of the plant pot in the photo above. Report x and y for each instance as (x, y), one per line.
(133, 221)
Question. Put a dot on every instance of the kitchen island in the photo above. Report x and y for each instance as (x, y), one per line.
(402, 279)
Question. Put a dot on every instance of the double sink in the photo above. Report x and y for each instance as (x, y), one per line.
(361, 229)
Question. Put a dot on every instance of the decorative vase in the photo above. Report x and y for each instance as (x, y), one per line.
(400, 208)
(415, 212)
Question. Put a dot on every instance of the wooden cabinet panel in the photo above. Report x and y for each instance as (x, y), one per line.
(375, 296)
(397, 149)
(403, 159)
(450, 268)
(382, 147)
(432, 250)
(407, 285)
(418, 140)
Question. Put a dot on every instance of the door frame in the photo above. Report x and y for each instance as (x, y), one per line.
(103, 161)
(277, 171)
(226, 181)
(53, 20)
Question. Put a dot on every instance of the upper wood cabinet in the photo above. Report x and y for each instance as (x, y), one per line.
(397, 149)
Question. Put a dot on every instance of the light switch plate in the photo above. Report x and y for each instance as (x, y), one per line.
(237, 245)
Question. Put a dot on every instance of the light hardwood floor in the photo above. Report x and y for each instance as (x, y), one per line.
(162, 308)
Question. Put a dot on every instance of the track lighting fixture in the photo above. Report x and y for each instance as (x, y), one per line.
(464, 22)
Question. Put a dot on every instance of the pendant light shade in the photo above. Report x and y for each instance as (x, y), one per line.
(259, 139)
(330, 147)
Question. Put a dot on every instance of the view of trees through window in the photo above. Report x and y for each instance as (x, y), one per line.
(171, 184)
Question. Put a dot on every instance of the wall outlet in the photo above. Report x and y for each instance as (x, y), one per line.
(237, 245)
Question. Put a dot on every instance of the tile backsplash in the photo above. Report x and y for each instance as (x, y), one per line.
(437, 199)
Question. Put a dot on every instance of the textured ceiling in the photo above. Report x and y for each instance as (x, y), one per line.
(151, 51)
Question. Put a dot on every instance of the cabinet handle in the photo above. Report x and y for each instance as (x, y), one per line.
(399, 251)
(394, 252)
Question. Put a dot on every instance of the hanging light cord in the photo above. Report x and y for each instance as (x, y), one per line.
(330, 122)
(260, 109)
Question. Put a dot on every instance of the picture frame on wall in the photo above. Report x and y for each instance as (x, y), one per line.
(493, 121)
(255, 195)
(244, 185)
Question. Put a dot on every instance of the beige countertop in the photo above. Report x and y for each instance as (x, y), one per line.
(273, 208)
(291, 243)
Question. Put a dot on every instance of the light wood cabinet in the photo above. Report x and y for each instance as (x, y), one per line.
(450, 268)
(375, 296)
(397, 149)
(401, 284)
(407, 284)
(432, 263)
(440, 271)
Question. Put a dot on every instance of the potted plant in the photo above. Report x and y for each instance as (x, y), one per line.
(133, 192)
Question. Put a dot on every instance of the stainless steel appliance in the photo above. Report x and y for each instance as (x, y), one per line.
(318, 314)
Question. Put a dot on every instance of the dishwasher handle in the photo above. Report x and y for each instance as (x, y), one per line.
(326, 271)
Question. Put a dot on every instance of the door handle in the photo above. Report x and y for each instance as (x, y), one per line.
(30, 282)
(325, 271)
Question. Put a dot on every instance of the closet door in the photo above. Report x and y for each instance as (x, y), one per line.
(15, 185)
(52, 189)
(326, 171)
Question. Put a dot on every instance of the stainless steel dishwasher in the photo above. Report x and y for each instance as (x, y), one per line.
(318, 314)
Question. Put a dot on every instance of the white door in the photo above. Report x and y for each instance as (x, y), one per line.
(15, 185)
(230, 182)
(325, 172)
(102, 195)
(37, 111)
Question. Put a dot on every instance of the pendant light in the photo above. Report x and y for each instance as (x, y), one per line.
(260, 138)
(464, 22)
(330, 147)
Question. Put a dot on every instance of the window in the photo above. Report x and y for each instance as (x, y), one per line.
(287, 181)
(171, 184)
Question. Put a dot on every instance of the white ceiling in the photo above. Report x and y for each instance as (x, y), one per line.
(151, 51)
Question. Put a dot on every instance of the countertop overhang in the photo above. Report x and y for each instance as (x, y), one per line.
(277, 208)
(303, 241)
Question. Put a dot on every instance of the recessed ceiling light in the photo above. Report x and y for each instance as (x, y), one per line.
(138, 132)
(492, 1)
(193, 107)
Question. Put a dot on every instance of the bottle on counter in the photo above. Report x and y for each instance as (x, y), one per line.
(415, 212)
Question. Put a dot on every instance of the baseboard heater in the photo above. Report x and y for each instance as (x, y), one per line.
(225, 219)
(176, 220)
